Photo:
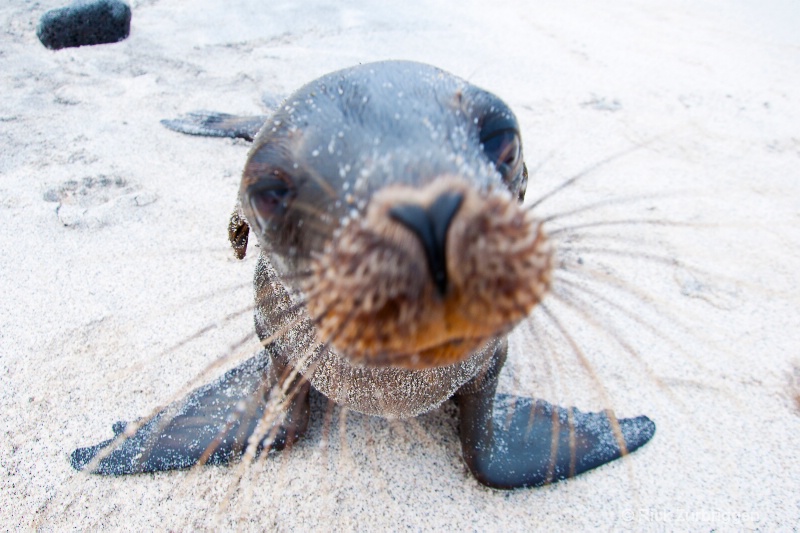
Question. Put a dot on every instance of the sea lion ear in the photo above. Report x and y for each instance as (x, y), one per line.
(238, 231)
(524, 185)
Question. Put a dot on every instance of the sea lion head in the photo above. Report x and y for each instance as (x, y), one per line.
(390, 199)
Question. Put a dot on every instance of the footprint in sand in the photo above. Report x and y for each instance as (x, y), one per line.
(97, 201)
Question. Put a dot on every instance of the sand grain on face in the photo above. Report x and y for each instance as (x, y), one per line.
(87, 313)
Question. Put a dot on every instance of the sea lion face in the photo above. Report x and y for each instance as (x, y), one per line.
(393, 190)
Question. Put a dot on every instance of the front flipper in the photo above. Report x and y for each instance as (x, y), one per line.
(510, 442)
(211, 124)
(212, 425)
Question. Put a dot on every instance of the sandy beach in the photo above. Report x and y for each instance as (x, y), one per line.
(115, 254)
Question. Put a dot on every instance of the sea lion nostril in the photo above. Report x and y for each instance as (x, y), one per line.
(430, 226)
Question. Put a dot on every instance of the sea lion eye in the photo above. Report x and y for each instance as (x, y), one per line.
(270, 197)
(503, 149)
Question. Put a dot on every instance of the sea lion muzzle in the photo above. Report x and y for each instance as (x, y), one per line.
(428, 275)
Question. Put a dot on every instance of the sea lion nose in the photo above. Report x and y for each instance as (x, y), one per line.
(430, 226)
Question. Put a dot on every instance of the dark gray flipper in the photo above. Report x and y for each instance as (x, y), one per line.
(211, 124)
(213, 425)
(508, 442)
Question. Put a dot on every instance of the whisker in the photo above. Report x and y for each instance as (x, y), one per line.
(636, 317)
(275, 411)
(300, 274)
(268, 426)
(211, 325)
(178, 405)
(255, 474)
(611, 201)
(249, 411)
(678, 345)
(651, 257)
(589, 369)
(132, 427)
(573, 442)
(586, 172)
(554, 445)
(588, 312)
(517, 385)
(552, 377)
(566, 240)
(202, 298)
(628, 222)
(541, 163)
(345, 454)
(419, 432)
(545, 353)
(375, 464)
(197, 334)
(308, 208)
(279, 396)
(325, 444)
(624, 287)
(319, 180)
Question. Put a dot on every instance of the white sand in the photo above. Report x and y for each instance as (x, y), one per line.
(101, 277)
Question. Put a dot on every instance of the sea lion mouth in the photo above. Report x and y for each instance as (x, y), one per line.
(428, 275)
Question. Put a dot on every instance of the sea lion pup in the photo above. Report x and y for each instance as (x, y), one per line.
(395, 258)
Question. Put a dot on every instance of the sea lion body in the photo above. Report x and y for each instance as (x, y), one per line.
(395, 258)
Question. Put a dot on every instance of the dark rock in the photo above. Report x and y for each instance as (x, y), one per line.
(85, 22)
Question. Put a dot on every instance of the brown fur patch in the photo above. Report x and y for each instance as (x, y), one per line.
(379, 304)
